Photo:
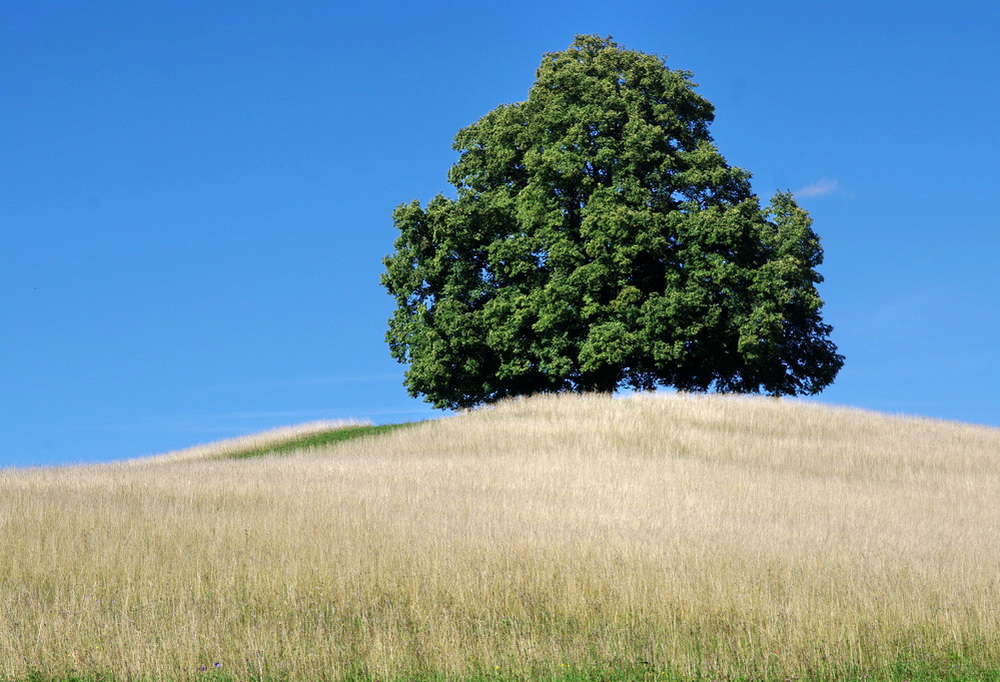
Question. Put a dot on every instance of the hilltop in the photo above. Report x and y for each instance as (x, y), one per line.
(568, 537)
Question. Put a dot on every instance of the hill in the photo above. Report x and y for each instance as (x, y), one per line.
(672, 537)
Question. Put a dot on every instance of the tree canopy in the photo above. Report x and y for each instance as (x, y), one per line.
(598, 239)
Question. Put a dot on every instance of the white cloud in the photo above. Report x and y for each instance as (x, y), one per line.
(818, 189)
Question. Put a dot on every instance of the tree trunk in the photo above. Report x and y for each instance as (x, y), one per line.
(603, 380)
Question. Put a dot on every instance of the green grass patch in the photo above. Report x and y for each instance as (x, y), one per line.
(322, 439)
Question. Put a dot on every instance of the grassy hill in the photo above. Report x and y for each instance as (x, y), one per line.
(570, 538)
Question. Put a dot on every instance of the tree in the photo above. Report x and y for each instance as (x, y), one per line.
(599, 239)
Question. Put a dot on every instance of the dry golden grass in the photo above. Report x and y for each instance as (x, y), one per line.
(731, 537)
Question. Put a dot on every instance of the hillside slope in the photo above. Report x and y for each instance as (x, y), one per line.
(559, 536)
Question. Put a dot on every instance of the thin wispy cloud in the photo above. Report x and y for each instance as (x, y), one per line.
(362, 379)
(820, 188)
(223, 422)
(230, 423)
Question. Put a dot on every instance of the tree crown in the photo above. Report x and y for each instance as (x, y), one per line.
(598, 238)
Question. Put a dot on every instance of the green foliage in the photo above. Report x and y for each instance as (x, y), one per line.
(324, 438)
(598, 239)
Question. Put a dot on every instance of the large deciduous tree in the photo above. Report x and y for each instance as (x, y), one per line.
(598, 239)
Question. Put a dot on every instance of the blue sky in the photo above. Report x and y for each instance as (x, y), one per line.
(195, 197)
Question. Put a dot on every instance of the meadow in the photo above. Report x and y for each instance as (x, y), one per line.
(567, 538)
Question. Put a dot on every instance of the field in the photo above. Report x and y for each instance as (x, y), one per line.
(564, 538)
